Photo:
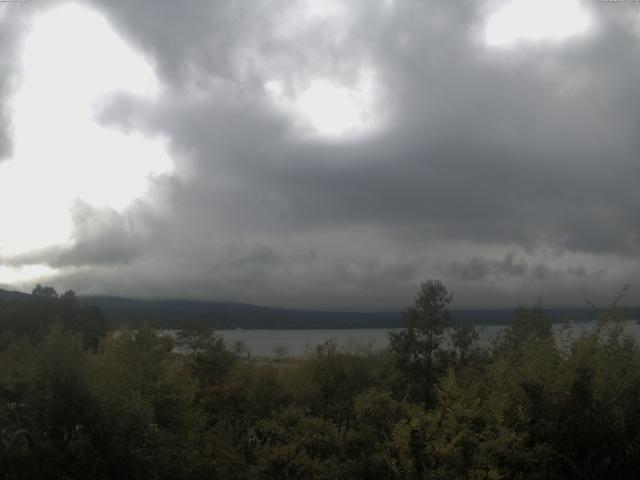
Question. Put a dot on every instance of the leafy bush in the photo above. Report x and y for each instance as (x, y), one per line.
(131, 406)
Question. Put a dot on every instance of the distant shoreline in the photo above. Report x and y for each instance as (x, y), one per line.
(230, 316)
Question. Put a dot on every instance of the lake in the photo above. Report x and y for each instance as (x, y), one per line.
(291, 343)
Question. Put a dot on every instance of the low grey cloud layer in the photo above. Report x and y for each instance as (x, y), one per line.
(509, 172)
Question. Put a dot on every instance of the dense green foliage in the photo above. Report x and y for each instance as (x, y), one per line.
(129, 405)
(31, 317)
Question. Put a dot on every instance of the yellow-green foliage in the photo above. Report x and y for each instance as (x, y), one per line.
(531, 406)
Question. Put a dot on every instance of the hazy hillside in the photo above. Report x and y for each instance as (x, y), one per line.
(12, 295)
(172, 313)
(228, 315)
(224, 315)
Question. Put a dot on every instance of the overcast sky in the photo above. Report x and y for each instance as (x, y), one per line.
(322, 153)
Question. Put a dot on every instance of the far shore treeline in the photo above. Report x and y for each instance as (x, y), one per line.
(175, 314)
(82, 399)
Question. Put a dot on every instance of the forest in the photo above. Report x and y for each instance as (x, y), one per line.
(80, 400)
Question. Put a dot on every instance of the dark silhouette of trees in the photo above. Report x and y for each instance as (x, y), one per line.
(34, 315)
(424, 325)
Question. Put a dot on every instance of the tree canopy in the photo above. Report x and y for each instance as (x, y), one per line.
(136, 404)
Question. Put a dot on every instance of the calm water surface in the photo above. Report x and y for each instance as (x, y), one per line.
(273, 343)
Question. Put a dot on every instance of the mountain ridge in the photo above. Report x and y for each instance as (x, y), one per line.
(176, 313)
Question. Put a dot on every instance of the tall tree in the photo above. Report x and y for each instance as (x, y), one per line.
(424, 324)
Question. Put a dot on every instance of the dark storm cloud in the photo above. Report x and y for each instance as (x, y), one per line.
(485, 148)
(479, 268)
(514, 150)
(101, 237)
(510, 268)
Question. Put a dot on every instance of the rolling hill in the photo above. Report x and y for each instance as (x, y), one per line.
(228, 315)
